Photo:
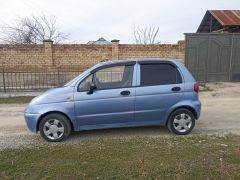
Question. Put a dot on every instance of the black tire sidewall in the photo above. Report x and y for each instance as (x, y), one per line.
(62, 119)
(174, 114)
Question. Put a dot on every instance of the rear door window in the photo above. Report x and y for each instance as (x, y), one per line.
(159, 74)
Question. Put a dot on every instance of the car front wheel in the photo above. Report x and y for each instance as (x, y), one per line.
(181, 122)
(54, 127)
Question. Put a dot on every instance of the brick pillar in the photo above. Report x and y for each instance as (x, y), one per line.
(115, 48)
(48, 53)
(2, 62)
(181, 50)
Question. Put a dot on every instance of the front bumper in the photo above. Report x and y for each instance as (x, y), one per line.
(32, 121)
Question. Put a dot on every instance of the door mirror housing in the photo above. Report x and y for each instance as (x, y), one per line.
(92, 87)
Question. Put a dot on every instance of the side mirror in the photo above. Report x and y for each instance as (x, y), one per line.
(92, 87)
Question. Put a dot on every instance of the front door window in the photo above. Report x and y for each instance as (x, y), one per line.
(114, 77)
(109, 78)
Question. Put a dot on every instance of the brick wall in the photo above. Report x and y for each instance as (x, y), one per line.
(80, 56)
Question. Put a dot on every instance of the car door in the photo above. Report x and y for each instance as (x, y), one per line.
(111, 103)
(160, 87)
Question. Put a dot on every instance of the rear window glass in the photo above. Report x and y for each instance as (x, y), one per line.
(159, 74)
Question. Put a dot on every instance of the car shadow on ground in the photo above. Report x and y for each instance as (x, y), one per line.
(150, 131)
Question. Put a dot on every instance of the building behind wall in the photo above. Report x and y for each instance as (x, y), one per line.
(220, 21)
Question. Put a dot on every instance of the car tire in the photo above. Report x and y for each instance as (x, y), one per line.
(181, 122)
(55, 127)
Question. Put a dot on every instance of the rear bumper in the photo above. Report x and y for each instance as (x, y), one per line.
(31, 121)
(197, 107)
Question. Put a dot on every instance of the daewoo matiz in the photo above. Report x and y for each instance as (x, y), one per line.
(113, 94)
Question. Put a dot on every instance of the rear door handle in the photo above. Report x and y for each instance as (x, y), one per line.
(125, 93)
(176, 89)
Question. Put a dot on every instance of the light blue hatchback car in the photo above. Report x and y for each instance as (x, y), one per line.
(113, 94)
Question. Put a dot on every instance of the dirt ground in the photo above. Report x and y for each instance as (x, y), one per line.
(220, 115)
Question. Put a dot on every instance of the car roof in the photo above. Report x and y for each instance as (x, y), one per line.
(140, 61)
(110, 63)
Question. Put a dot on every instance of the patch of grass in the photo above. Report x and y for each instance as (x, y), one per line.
(17, 100)
(189, 157)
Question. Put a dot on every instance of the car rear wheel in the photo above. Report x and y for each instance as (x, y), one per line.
(54, 127)
(181, 122)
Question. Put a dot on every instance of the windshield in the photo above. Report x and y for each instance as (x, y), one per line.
(78, 77)
(71, 81)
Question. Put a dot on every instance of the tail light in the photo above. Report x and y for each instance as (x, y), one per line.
(196, 88)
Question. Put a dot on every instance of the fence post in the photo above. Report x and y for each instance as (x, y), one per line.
(4, 82)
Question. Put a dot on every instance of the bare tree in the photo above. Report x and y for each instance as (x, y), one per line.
(32, 30)
(147, 35)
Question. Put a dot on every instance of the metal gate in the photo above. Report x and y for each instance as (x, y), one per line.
(213, 57)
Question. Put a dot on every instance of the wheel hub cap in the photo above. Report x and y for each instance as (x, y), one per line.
(182, 122)
(53, 129)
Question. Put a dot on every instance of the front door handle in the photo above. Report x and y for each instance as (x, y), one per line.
(176, 89)
(125, 93)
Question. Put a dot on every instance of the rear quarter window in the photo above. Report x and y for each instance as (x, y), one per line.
(159, 74)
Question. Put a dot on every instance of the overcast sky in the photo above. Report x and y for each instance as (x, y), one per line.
(87, 20)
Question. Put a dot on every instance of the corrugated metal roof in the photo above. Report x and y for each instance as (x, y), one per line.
(227, 17)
